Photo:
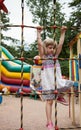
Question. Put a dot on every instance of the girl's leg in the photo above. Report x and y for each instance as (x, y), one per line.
(49, 104)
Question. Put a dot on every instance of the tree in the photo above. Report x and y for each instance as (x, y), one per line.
(74, 20)
(76, 14)
(5, 21)
(43, 14)
(31, 52)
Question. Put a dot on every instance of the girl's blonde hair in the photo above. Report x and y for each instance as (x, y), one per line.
(48, 42)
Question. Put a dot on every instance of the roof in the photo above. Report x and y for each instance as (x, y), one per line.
(3, 7)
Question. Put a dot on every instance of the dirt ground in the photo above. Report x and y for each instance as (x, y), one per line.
(33, 114)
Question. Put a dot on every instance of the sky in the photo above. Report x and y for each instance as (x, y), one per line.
(14, 10)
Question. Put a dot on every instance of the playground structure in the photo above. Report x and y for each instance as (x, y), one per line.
(75, 72)
(74, 64)
(19, 74)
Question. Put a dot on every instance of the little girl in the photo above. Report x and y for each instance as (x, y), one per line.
(49, 49)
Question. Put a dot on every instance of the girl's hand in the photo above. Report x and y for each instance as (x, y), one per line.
(63, 29)
(39, 29)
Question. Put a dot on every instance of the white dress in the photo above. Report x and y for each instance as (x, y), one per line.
(48, 78)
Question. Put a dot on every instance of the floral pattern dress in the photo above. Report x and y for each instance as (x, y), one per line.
(48, 79)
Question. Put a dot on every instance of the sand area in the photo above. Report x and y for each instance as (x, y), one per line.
(34, 117)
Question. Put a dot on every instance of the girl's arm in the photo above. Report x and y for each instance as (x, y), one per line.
(61, 41)
(39, 41)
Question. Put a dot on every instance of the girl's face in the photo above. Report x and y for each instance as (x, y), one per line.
(50, 49)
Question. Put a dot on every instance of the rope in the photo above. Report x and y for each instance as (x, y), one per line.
(29, 91)
(22, 6)
(23, 59)
(70, 128)
(56, 128)
(44, 27)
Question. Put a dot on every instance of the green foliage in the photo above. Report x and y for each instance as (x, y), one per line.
(74, 21)
(65, 67)
(76, 14)
(5, 21)
(43, 14)
(75, 3)
(31, 52)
